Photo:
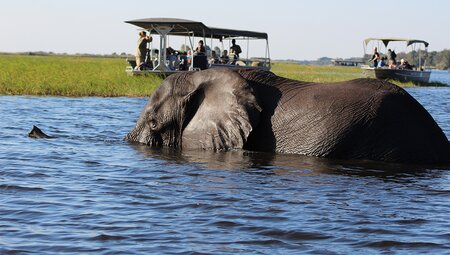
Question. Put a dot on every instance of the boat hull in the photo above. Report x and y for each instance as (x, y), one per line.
(398, 74)
(132, 72)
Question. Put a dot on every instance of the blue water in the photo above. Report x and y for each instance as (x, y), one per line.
(440, 76)
(88, 192)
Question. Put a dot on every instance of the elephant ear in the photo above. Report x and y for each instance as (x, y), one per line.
(224, 111)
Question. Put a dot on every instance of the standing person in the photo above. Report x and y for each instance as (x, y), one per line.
(375, 57)
(391, 59)
(235, 49)
(141, 50)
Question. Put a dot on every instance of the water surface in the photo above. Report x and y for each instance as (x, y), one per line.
(88, 192)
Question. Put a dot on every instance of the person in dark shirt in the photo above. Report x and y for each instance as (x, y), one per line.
(375, 57)
(235, 49)
(224, 59)
(404, 65)
(391, 58)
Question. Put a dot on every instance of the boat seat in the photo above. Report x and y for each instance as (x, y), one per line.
(132, 63)
(201, 61)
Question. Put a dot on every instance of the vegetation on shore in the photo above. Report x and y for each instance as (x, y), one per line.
(316, 73)
(95, 76)
(70, 76)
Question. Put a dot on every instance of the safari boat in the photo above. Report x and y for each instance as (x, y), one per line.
(169, 30)
(416, 74)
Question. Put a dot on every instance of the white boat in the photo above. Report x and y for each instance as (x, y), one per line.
(416, 74)
(183, 60)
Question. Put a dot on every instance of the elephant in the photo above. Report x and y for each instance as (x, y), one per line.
(256, 110)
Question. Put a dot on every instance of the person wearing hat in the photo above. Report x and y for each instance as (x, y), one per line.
(141, 50)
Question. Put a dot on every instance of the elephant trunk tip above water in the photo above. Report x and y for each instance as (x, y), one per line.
(225, 109)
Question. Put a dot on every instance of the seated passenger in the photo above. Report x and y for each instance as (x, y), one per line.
(213, 59)
(224, 59)
(404, 65)
(382, 62)
(172, 57)
(200, 50)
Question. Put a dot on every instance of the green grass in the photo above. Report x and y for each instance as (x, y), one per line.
(85, 76)
(71, 76)
(316, 73)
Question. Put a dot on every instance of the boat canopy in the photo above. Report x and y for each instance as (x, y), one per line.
(184, 27)
(386, 41)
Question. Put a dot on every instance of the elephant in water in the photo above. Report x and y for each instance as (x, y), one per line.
(225, 109)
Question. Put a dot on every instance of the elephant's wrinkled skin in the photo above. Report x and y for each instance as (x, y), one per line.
(256, 110)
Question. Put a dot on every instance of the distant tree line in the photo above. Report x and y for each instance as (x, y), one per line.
(323, 61)
(50, 53)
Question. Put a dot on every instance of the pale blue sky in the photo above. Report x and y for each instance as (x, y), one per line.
(297, 29)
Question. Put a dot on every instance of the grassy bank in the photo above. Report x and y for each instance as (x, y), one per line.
(84, 76)
(70, 76)
(316, 73)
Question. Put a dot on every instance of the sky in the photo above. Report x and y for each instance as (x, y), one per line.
(302, 30)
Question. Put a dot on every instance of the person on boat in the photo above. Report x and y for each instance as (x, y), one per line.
(200, 50)
(224, 59)
(391, 58)
(375, 57)
(382, 62)
(141, 51)
(172, 57)
(214, 59)
(235, 50)
(404, 65)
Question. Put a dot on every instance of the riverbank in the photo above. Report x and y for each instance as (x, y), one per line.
(87, 76)
(70, 76)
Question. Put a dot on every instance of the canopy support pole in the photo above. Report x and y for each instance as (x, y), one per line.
(162, 31)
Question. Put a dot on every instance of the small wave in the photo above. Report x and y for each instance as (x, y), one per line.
(292, 234)
(105, 237)
(397, 244)
(19, 188)
(91, 162)
(262, 242)
(12, 251)
(412, 221)
(226, 224)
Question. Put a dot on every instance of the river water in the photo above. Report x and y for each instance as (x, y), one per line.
(88, 192)
(440, 76)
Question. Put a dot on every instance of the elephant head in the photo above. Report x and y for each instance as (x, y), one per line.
(211, 109)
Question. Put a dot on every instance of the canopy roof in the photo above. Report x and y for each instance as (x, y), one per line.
(386, 41)
(184, 27)
(224, 32)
